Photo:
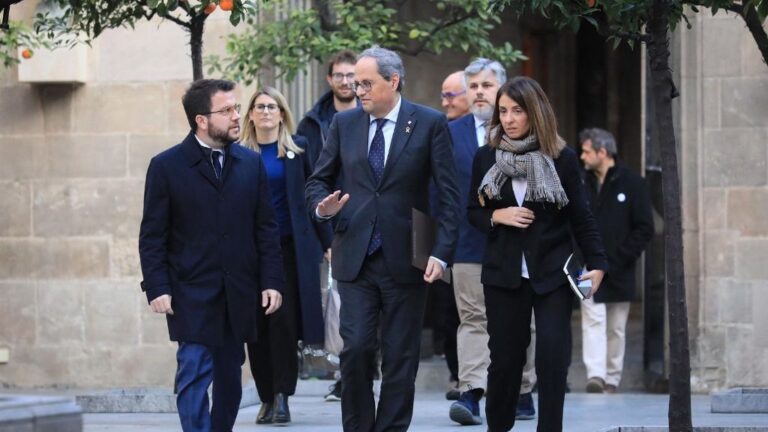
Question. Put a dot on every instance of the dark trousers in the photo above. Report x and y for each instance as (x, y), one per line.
(446, 323)
(273, 357)
(371, 303)
(509, 317)
(199, 365)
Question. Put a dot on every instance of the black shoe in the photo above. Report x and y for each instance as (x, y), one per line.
(282, 413)
(525, 409)
(335, 392)
(265, 413)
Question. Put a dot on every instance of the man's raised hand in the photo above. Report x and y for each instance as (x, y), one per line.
(331, 204)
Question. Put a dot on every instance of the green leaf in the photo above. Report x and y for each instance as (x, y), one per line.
(413, 34)
(153, 3)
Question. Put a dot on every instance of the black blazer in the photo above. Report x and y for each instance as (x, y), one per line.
(213, 246)
(624, 216)
(310, 239)
(421, 148)
(546, 243)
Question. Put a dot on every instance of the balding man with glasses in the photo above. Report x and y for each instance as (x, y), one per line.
(210, 253)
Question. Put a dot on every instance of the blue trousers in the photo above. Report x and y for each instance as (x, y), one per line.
(197, 367)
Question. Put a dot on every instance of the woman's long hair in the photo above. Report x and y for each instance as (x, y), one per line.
(284, 141)
(541, 117)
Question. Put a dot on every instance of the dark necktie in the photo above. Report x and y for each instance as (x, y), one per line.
(376, 153)
(213, 159)
(376, 161)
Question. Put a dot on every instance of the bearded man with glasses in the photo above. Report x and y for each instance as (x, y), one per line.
(210, 253)
(341, 97)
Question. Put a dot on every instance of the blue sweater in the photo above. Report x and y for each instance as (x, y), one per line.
(276, 175)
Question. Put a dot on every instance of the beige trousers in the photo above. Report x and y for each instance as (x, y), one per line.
(529, 370)
(472, 333)
(603, 329)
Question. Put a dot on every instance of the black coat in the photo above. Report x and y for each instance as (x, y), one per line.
(421, 148)
(310, 239)
(546, 243)
(624, 216)
(213, 246)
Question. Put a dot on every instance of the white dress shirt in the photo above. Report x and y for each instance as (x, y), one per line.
(520, 186)
(388, 129)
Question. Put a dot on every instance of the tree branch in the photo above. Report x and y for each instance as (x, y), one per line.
(421, 46)
(327, 15)
(754, 25)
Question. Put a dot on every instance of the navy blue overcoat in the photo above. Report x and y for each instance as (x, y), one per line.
(212, 245)
(310, 239)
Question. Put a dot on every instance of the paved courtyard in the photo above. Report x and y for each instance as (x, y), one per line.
(583, 413)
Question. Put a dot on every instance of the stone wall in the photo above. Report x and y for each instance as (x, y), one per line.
(724, 141)
(74, 159)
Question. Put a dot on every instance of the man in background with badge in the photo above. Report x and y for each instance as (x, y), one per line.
(621, 204)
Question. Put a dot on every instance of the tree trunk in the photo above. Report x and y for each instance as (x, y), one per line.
(197, 24)
(663, 88)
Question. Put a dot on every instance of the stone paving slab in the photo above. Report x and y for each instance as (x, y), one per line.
(32, 413)
(741, 400)
(583, 413)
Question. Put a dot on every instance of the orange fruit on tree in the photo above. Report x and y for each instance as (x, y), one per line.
(227, 5)
(26, 53)
(210, 8)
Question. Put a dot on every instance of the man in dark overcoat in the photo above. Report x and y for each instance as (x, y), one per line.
(622, 206)
(210, 253)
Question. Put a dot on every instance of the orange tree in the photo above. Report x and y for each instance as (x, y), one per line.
(290, 37)
(650, 22)
(84, 20)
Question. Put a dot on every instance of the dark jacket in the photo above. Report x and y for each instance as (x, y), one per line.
(420, 149)
(213, 246)
(471, 241)
(622, 208)
(314, 126)
(310, 239)
(546, 243)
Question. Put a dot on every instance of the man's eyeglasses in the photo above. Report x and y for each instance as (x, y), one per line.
(364, 86)
(339, 77)
(268, 108)
(450, 95)
(228, 111)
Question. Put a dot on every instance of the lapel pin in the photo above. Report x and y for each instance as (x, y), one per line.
(407, 129)
(290, 154)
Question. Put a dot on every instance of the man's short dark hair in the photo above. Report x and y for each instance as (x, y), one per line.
(601, 139)
(197, 98)
(344, 56)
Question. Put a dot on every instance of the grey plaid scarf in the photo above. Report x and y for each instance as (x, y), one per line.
(515, 159)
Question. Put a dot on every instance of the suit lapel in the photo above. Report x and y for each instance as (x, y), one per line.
(360, 140)
(230, 161)
(470, 136)
(197, 161)
(406, 123)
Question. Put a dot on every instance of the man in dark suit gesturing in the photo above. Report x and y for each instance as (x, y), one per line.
(210, 253)
(386, 153)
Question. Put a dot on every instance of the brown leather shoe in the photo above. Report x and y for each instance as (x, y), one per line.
(595, 385)
(265, 414)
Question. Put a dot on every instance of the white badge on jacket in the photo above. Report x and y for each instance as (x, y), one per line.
(621, 197)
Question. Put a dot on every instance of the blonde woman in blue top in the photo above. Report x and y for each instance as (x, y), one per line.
(267, 128)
